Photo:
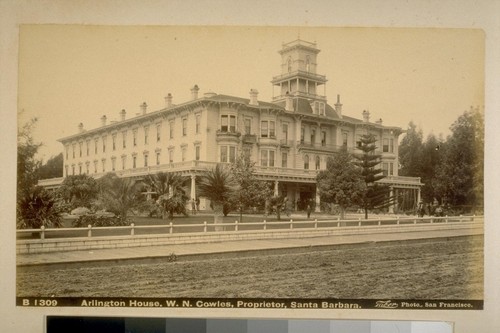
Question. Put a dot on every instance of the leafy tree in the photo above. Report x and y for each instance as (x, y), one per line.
(35, 207)
(460, 178)
(119, 195)
(410, 152)
(79, 190)
(376, 195)
(250, 192)
(170, 193)
(217, 185)
(432, 153)
(52, 169)
(342, 183)
(27, 164)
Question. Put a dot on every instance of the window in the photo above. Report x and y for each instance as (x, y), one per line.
(124, 139)
(171, 156)
(313, 135)
(323, 138)
(123, 162)
(184, 126)
(134, 162)
(359, 143)
(306, 162)
(289, 64)
(197, 153)
(322, 108)
(388, 169)
(74, 148)
(267, 158)
(388, 145)
(95, 166)
(157, 158)
(171, 129)
(302, 134)
(103, 165)
(284, 160)
(284, 129)
(79, 169)
(146, 135)
(198, 123)
(146, 157)
(227, 154)
(87, 144)
(134, 138)
(267, 129)
(264, 129)
(248, 125)
(95, 146)
(80, 144)
(104, 138)
(228, 123)
(158, 132)
(318, 163)
(73, 169)
(87, 168)
(113, 139)
(183, 154)
(113, 164)
(344, 139)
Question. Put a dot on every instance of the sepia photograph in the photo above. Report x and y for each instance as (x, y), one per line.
(250, 167)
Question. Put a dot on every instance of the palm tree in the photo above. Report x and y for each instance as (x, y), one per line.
(170, 192)
(119, 195)
(218, 186)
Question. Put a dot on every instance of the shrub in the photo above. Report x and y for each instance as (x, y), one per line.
(100, 221)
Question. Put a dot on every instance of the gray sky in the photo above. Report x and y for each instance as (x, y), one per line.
(73, 73)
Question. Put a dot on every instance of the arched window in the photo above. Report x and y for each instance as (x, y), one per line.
(306, 162)
(318, 163)
(289, 64)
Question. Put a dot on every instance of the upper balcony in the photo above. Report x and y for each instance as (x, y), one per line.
(228, 136)
(300, 74)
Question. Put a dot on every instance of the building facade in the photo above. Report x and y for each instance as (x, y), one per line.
(289, 138)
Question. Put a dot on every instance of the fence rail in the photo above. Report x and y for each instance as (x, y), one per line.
(43, 233)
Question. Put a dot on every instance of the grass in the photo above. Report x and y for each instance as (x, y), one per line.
(447, 268)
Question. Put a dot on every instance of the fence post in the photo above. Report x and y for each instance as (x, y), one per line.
(359, 221)
(171, 227)
(446, 219)
(204, 226)
(132, 231)
(379, 222)
(397, 221)
(414, 221)
(315, 223)
(42, 232)
(89, 233)
(236, 225)
(265, 226)
(291, 224)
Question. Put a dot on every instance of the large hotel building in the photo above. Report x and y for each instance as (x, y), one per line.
(289, 138)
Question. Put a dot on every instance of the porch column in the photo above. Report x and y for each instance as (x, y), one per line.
(317, 208)
(391, 207)
(419, 197)
(276, 184)
(193, 187)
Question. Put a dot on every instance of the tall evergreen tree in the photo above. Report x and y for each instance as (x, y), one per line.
(376, 195)
(410, 152)
(341, 183)
(53, 168)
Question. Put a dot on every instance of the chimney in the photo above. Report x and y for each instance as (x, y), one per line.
(168, 100)
(288, 102)
(253, 97)
(103, 120)
(366, 116)
(80, 127)
(194, 92)
(143, 107)
(338, 106)
(379, 121)
(123, 113)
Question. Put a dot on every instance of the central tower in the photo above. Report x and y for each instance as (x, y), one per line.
(298, 73)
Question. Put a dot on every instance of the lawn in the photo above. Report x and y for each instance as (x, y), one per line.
(446, 268)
